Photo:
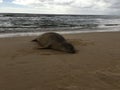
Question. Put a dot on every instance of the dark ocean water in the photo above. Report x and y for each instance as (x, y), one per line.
(18, 24)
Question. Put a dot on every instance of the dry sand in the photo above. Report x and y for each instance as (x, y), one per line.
(95, 66)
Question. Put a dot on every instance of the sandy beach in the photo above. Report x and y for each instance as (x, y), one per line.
(95, 66)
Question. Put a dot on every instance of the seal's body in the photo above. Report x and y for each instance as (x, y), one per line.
(54, 41)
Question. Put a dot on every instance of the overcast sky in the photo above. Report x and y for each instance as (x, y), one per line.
(61, 6)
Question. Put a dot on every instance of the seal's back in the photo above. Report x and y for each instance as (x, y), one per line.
(50, 37)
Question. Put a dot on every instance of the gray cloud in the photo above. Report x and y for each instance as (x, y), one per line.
(113, 3)
(70, 6)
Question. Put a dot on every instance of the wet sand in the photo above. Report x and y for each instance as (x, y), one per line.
(95, 66)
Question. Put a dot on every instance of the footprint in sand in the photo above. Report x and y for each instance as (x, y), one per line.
(110, 78)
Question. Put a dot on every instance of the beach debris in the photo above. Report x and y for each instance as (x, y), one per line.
(54, 41)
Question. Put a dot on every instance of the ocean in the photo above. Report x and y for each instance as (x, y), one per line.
(35, 24)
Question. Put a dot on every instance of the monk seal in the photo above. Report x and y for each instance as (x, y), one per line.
(54, 41)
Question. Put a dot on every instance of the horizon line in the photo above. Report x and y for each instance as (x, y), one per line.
(52, 14)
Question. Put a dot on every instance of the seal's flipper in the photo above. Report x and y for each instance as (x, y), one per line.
(48, 46)
(34, 40)
(42, 48)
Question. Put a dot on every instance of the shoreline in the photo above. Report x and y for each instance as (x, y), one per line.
(6, 35)
(95, 66)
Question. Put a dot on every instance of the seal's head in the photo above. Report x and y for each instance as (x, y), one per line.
(67, 47)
